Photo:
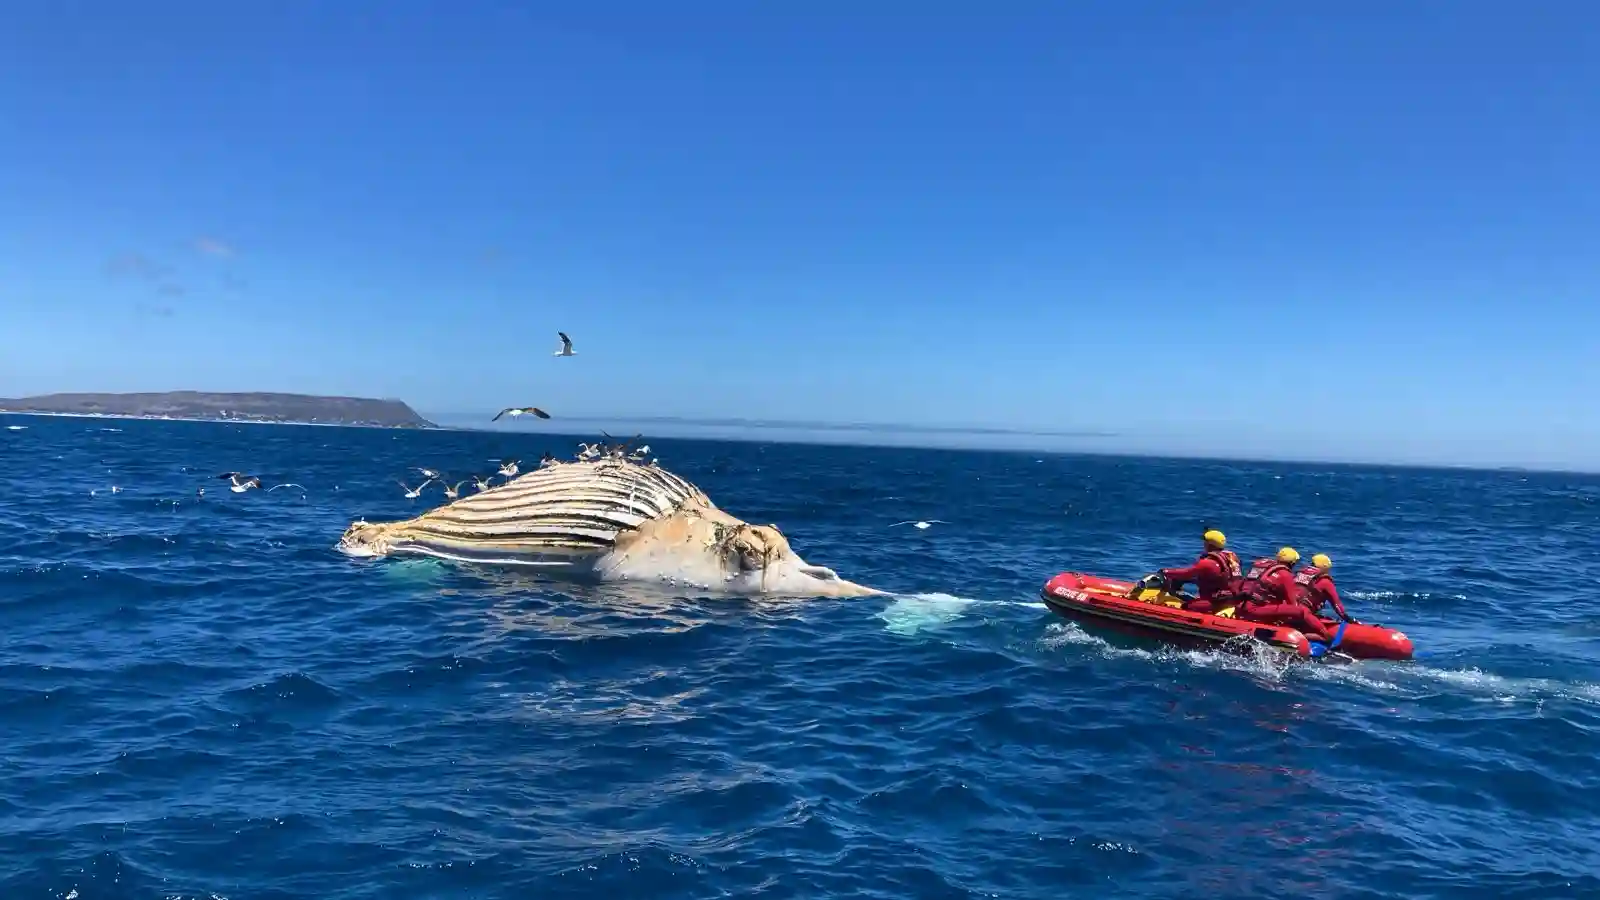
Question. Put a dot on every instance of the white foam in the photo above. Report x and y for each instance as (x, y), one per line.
(1408, 679)
(1399, 595)
(1413, 680)
(912, 613)
(1061, 634)
(1258, 660)
(1506, 689)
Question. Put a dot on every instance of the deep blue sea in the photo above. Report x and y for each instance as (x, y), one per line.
(200, 698)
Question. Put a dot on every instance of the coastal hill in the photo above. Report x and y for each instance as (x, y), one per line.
(244, 407)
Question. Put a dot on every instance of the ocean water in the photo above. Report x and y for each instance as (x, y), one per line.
(200, 698)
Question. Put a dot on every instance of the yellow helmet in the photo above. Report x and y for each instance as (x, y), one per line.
(1322, 561)
(1215, 538)
(1288, 556)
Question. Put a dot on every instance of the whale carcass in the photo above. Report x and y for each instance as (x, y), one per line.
(614, 519)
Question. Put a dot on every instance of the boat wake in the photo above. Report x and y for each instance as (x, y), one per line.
(1408, 680)
(911, 614)
(1255, 659)
(1400, 595)
(1414, 681)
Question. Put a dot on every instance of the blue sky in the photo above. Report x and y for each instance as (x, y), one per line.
(1343, 230)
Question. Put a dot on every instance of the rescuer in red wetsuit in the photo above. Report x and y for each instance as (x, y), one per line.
(1272, 597)
(1316, 587)
(1213, 574)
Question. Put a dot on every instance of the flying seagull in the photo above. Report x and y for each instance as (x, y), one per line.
(287, 484)
(566, 345)
(482, 483)
(416, 492)
(240, 482)
(509, 468)
(520, 411)
(926, 524)
(453, 492)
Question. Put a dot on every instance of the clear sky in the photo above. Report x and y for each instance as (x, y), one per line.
(1338, 229)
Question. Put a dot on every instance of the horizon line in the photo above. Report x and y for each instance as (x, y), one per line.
(807, 424)
(1503, 468)
(1118, 453)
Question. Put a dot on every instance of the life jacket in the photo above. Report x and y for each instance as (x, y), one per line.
(1227, 561)
(1308, 593)
(1253, 583)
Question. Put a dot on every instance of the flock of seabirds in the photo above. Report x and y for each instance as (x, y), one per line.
(239, 482)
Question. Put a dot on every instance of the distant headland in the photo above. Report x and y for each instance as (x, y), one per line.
(300, 409)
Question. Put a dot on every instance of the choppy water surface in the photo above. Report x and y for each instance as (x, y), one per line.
(200, 698)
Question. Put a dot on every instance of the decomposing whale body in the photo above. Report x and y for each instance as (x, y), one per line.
(613, 519)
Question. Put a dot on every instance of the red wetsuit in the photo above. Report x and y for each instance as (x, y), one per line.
(1316, 587)
(1272, 602)
(1213, 574)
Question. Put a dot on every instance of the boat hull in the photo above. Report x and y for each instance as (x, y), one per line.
(1110, 603)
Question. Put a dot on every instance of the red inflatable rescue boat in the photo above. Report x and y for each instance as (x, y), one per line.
(1112, 603)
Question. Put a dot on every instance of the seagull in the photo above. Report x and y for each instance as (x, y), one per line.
(482, 483)
(427, 473)
(566, 345)
(520, 411)
(416, 492)
(615, 450)
(289, 484)
(509, 468)
(547, 459)
(922, 524)
(454, 492)
(240, 481)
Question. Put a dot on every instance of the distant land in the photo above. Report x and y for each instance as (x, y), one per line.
(303, 409)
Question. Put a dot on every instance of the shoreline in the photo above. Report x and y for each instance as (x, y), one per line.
(127, 417)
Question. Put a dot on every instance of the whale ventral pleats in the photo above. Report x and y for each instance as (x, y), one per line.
(620, 519)
(574, 505)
